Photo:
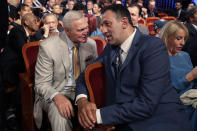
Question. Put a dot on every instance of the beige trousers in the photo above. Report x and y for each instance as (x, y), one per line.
(58, 123)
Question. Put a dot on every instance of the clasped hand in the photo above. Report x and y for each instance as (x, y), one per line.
(86, 113)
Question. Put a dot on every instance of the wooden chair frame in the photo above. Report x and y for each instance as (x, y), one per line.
(91, 67)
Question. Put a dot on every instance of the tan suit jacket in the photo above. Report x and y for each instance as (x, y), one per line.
(51, 71)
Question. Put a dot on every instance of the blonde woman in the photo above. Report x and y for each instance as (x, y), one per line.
(183, 75)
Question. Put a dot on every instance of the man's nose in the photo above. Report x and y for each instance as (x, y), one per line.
(104, 29)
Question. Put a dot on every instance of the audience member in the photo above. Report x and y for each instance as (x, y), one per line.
(79, 7)
(3, 37)
(70, 4)
(12, 11)
(93, 28)
(89, 7)
(183, 74)
(143, 101)
(190, 5)
(49, 28)
(22, 10)
(57, 9)
(12, 62)
(97, 12)
(106, 3)
(179, 13)
(191, 46)
(57, 69)
(152, 12)
(135, 11)
(157, 26)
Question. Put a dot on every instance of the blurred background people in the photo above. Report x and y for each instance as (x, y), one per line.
(135, 12)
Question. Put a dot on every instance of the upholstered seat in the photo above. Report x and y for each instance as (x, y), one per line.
(96, 84)
(100, 43)
(30, 52)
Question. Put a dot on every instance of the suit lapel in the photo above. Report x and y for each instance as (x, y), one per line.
(65, 51)
(133, 49)
(112, 58)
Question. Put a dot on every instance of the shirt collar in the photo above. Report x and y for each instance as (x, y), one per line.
(195, 26)
(125, 46)
(69, 42)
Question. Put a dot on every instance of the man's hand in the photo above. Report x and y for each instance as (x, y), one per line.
(46, 30)
(64, 106)
(86, 113)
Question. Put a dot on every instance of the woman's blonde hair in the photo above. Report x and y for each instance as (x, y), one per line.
(170, 30)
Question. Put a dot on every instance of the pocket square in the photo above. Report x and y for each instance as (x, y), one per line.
(89, 58)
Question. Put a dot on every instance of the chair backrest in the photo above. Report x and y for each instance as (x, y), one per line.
(169, 18)
(30, 53)
(151, 29)
(100, 43)
(96, 84)
(151, 19)
(162, 14)
(142, 21)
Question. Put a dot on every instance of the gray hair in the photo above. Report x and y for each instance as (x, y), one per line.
(49, 14)
(69, 17)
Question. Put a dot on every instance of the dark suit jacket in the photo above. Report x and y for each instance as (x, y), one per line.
(142, 98)
(12, 61)
(154, 11)
(192, 33)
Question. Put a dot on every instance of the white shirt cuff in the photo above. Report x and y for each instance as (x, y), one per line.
(80, 96)
(51, 98)
(98, 116)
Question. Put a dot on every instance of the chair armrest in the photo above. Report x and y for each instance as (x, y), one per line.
(25, 79)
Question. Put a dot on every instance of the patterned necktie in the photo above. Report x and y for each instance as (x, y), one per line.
(76, 62)
(118, 61)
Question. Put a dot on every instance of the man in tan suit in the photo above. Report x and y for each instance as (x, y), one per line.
(54, 71)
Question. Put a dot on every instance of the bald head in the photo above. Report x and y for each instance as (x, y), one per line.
(29, 21)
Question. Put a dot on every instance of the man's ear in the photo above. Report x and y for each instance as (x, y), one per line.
(67, 30)
(26, 23)
(125, 22)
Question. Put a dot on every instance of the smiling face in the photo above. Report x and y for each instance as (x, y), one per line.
(176, 43)
(79, 31)
(112, 28)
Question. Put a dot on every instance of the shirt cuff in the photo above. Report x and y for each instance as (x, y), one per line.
(80, 96)
(51, 98)
(98, 116)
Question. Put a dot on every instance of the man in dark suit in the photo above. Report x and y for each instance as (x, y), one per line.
(179, 12)
(139, 95)
(191, 45)
(152, 11)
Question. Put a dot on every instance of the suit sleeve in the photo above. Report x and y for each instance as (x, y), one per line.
(154, 79)
(44, 74)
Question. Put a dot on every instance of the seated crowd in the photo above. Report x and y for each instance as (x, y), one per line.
(149, 63)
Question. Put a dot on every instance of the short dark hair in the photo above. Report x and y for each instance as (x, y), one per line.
(79, 6)
(139, 8)
(21, 7)
(119, 10)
